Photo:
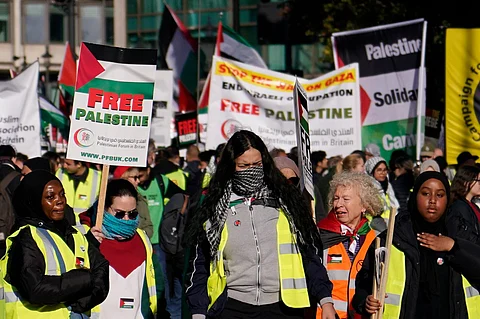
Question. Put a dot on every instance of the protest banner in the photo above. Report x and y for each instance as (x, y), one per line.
(391, 62)
(20, 112)
(247, 97)
(186, 127)
(303, 140)
(462, 107)
(162, 111)
(112, 108)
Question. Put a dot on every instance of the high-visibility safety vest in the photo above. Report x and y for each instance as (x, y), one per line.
(293, 284)
(342, 273)
(396, 285)
(86, 194)
(179, 178)
(59, 259)
(149, 273)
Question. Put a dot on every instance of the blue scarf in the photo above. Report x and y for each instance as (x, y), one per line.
(114, 228)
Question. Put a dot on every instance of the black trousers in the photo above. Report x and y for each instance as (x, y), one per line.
(235, 309)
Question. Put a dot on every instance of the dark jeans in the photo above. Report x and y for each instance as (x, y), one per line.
(235, 309)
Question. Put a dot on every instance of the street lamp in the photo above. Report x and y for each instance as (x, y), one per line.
(46, 62)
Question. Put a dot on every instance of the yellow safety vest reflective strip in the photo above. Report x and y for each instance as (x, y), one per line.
(58, 260)
(396, 285)
(90, 188)
(149, 271)
(293, 284)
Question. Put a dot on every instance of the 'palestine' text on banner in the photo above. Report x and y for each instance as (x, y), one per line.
(247, 97)
(112, 106)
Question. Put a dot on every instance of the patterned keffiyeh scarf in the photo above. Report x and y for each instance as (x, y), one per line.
(247, 183)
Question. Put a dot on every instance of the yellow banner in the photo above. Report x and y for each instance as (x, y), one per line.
(278, 84)
(462, 111)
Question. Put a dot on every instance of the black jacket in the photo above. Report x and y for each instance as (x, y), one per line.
(402, 186)
(462, 209)
(463, 259)
(81, 289)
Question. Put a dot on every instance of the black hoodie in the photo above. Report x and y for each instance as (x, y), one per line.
(81, 289)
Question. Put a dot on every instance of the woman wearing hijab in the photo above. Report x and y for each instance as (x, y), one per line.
(346, 234)
(377, 168)
(433, 273)
(133, 291)
(254, 241)
(50, 270)
(466, 186)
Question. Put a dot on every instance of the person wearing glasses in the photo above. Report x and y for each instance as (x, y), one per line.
(377, 168)
(133, 270)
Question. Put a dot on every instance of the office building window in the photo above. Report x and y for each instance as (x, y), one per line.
(4, 21)
(109, 25)
(91, 20)
(58, 23)
(35, 22)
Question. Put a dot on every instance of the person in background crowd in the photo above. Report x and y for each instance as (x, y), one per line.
(293, 155)
(319, 164)
(377, 168)
(291, 172)
(403, 181)
(437, 152)
(465, 186)
(192, 170)
(323, 183)
(277, 152)
(426, 152)
(7, 158)
(82, 185)
(152, 152)
(432, 271)
(372, 150)
(55, 160)
(168, 165)
(135, 275)
(429, 165)
(37, 163)
(254, 230)
(466, 158)
(391, 163)
(443, 165)
(351, 163)
(20, 160)
(51, 270)
(346, 234)
(362, 154)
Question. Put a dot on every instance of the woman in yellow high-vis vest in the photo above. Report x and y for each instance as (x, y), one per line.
(256, 251)
(50, 269)
(433, 269)
(346, 234)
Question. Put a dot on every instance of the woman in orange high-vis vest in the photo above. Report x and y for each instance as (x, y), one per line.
(346, 235)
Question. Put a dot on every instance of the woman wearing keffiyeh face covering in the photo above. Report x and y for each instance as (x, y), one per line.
(346, 234)
(255, 249)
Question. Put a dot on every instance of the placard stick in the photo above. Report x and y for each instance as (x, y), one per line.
(101, 195)
(313, 210)
(388, 245)
(375, 284)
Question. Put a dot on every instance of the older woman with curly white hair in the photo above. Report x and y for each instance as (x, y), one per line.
(346, 234)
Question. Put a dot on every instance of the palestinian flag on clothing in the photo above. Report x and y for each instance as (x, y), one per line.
(179, 52)
(66, 80)
(232, 46)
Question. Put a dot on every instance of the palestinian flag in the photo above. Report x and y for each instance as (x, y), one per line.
(179, 52)
(112, 104)
(66, 80)
(232, 46)
(50, 115)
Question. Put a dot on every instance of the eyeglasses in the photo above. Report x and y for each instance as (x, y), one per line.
(135, 177)
(379, 170)
(121, 213)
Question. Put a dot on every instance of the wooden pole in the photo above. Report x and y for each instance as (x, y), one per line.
(388, 246)
(375, 283)
(313, 210)
(101, 195)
